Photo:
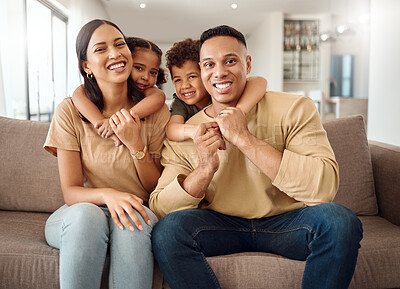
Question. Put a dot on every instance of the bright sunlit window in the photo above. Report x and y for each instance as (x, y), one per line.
(47, 59)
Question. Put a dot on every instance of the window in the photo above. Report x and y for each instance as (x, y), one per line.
(47, 59)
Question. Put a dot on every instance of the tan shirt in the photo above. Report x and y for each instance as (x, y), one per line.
(308, 174)
(104, 165)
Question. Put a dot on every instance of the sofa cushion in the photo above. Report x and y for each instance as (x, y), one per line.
(356, 182)
(27, 262)
(29, 179)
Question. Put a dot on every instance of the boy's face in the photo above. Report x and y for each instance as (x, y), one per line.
(188, 84)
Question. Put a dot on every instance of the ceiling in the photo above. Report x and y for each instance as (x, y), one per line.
(167, 21)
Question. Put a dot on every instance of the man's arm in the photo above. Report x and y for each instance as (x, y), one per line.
(207, 141)
(306, 170)
(182, 186)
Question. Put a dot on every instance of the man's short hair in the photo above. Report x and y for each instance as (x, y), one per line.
(222, 30)
(181, 52)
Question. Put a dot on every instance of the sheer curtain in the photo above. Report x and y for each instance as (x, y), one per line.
(3, 110)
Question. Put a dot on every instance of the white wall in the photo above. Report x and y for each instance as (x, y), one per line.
(265, 45)
(2, 94)
(80, 12)
(384, 89)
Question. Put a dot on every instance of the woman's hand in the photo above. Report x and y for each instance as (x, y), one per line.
(119, 204)
(127, 127)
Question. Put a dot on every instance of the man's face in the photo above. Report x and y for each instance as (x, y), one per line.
(224, 65)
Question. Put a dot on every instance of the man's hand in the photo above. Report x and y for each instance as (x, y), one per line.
(208, 141)
(233, 125)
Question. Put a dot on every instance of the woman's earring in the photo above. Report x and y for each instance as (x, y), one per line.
(89, 76)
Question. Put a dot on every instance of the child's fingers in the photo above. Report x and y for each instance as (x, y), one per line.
(104, 133)
(116, 140)
(109, 132)
(98, 124)
(101, 130)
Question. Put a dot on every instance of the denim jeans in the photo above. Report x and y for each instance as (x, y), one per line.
(85, 233)
(326, 236)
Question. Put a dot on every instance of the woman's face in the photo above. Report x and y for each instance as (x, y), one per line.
(108, 57)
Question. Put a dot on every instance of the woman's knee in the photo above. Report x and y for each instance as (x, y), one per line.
(85, 217)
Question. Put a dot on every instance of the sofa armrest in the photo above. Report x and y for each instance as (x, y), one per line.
(386, 169)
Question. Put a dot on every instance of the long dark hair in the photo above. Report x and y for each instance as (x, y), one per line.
(136, 42)
(91, 87)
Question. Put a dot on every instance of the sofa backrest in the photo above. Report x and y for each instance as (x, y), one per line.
(29, 179)
(356, 182)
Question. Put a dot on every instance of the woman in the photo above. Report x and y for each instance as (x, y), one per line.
(105, 186)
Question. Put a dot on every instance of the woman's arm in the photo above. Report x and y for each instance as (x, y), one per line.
(177, 130)
(128, 131)
(154, 100)
(71, 177)
(253, 93)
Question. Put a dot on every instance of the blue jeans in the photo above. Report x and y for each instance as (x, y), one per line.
(84, 233)
(326, 236)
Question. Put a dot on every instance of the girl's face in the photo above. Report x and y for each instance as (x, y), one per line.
(145, 68)
(108, 57)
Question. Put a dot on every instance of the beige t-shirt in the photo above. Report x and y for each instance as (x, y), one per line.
(104, 165)
(308, 174)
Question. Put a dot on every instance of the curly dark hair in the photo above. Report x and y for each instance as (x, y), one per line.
(136, 42)
(182, 51)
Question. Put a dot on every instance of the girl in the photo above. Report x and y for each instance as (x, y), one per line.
(148, 77)
(105, 187)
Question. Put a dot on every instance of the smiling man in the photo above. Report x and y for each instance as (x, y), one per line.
(261, 182)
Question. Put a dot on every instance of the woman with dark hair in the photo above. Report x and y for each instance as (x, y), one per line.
(105, 187)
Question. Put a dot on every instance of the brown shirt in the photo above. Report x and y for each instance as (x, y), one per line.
(104, 165)
(308, 174)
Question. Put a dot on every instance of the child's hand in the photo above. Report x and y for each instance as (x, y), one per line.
(104, 130)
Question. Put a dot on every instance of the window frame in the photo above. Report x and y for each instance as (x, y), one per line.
(55, 12)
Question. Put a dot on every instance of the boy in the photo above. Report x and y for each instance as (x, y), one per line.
(191, 96)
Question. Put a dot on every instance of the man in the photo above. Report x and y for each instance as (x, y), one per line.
(257, 183)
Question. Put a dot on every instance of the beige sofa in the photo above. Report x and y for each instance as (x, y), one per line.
(369, 185)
